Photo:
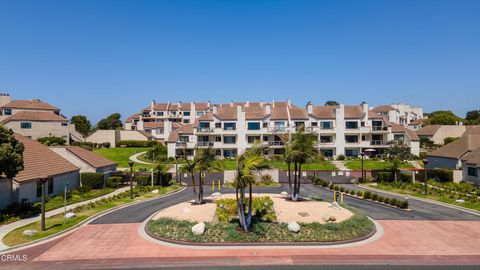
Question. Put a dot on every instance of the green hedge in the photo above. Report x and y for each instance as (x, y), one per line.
(134, 143)
(92, 180)
(52, 141)
(114, 181)
(158, 179)
(441, 175)
(385, 176)
(405, 178)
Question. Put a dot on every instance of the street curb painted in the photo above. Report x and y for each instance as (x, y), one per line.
(410, 197)
(84, 222)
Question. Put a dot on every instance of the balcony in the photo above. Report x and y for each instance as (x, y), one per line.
(204, 130)
(275, 143)
(181, 144)
(379, 128)
(377, 142)
(277, 129)
(205, 144)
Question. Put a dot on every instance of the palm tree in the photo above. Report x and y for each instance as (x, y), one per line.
(396, 165)
(303, 151)
(252, 160)
(161, 170)
(287, 157)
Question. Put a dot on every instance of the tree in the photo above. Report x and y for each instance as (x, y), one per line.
(443, 118)
(287, 157)
(396, 165)
(252, 160)
(82, 124)
(303, 151)
(11, 153)
(398, 150)
(332, 103)
(111, 122)
(473, 117)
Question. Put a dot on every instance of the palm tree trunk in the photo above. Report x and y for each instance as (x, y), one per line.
(295, 180)
(299, 180)
(199, 198)
(248, 222)
(194, 186)
(289, 178)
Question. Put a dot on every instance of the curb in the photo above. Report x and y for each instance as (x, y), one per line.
(410, 197)
(84, 222)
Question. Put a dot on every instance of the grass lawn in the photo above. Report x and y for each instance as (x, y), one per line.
(419, 193)
(372, 165)
(121, 155)
(55, 223)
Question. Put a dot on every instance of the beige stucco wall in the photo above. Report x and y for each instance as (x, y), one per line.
(28, 190)
(102, 136)
(132, 135)
(447, 131)
(40, 129)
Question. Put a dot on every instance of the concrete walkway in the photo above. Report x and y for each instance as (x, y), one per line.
(134, 158)
(5, 229)
(340, 165)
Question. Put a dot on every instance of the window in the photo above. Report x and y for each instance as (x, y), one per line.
(265, 125)
(229, 126)
(39, 189)
(203, 138)
(229, 139)
(351, 124)
(326, 139)
(229, 153)
(351, 152)
(351, 138)
(314, 124)
(7, 111)
(159, 113)
(64, 124)
(204, 125)
(326, 152)
(218, 138)
(253, 125)
(398, 137)
(186, 121)
(26, 125)
(472, 171)
(200, 113)
(218, 125)
(299, 124)
(326, 125)
(279, 126)
(186, 113)
(50, 185)
(252, 139)
(183, 138)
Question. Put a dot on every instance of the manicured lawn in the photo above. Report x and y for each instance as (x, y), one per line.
(417, 191)
(372, 165)
(55, 223)
(121, 155)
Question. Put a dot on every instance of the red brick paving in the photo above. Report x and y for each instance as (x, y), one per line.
(403, 242)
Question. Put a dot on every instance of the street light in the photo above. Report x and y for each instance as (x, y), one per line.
(151, 171)
(425, 162)
(363, 175)
(43, 181)
(130, 163)
(65, 205)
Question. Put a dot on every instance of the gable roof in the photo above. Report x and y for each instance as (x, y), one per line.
(353, 112)
(396, 128)
(40, 162)
(472, 157)
(133, 117)
(279, 113)
(458, 148)
(89, 157)
(36, 117)
(297, 113)
(34, 104)
(255, 113)
(429, 130)
(324, 112)
(226, 113)
(416, 122)
(383, 109)
(187, 129)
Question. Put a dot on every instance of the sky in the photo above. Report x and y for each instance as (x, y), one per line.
(99, 57)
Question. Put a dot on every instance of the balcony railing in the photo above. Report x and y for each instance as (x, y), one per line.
(204, 130)
(275, 143)
(205, 144)
(182, 144)
(277, 129)
(377, 142)
(379, 128)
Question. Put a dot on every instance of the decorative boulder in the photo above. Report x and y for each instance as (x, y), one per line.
(198, 229)
(284, 194)
(326, 218)
(460, 201)
(216, 194)
(335, 205)
(70, 215)
(155, 191)
(293, 227)
(30, 232)
(332, 218)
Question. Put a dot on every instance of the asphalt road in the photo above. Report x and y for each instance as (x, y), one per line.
(421, 210)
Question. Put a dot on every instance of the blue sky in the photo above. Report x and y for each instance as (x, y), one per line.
(100, 57)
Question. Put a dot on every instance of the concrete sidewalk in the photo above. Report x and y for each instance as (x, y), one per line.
(5, 229)
(340, 165)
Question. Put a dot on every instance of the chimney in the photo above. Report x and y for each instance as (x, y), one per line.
(4, 99)
(247, 104)
(309, 107)
(268, 109)
(215, 109)
(365, 110)
(273, 104)
(289, 102)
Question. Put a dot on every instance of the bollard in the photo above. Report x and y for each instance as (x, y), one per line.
(213, 186)
(334, 196)
(218, 185)
(341, 197)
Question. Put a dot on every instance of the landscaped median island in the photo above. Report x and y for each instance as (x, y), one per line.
(460, 194)
(276, 219)
(56, 223)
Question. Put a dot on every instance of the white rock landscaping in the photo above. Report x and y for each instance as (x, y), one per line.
(70, 215)
(293, 227)
(216, 194)
(284, 194)
(198, 229)
(30, 232)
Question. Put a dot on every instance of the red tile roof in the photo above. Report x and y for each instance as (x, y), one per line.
(34, 104)
(35, 116)
(89, 157)
(40, 162)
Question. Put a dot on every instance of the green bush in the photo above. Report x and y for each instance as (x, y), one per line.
(114, 181)
(352, 192)
(406, 178)
(394, 201)
(359, 193)
(266, 179)
(341, 157)
(375, 197)
(387, 200)
(404, 204)
(342, 189)
(262, 209)
(367, 195)
(385, 176)
(381, 198)
(92, 180)
(144, 180)
(135, 143)
(441, 175)
(52, 141)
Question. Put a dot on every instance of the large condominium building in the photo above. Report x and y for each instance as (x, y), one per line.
(33, 118)
(231, 128)
(402, 114)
